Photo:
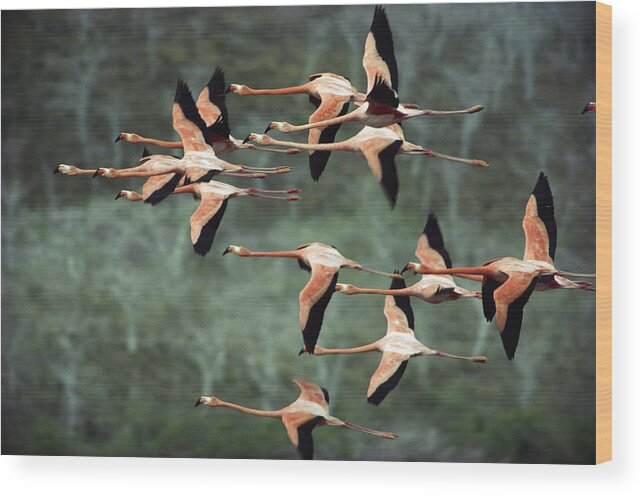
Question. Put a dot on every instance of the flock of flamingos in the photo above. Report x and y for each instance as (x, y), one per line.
(203, 126)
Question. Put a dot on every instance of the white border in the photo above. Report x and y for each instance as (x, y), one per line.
(125, 476)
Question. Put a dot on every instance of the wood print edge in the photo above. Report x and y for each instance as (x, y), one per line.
(603, 232)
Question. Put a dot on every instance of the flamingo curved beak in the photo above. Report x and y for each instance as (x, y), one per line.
(118, 195)
(246, 139)
(228, 90)
(96, 173)
(302, 351)
(226, 251)
(56, 170)
(118, 138)
(268, 128)
(198, 402)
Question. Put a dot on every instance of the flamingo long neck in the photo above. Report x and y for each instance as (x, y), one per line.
(164, 144)
(252, 411)
(482, 271)
(290, 90)
(470, 277)
(392, 292)
(346, 351)
(330, 122)
(145, 170)
(85, 172)
(341, 145)
(285, 254)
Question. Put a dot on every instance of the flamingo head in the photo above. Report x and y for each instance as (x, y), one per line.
(261, 139)
(67, 170)
(414, 266)
(284, 127)
(590, 107)
(104, 171)
(348, 289)
(238, 250)
(239, 89)
(129, 137)
(209, 401)
(124, 194)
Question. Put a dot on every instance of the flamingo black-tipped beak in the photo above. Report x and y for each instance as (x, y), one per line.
(246, 139)
(96, 173)
(268, 128)
(118, 138)
(302, 351)
(198, 402)
(228, 90)
(118, 195)
(585, 109)
(404, 270)
(226, 251)
(56, 170)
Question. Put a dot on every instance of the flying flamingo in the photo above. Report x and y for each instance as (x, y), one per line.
(431, 288)
(212, 109)
(330, 94)
(507, 283)
(214, 199)
(590, 107)
(378, 146)
(397, 347)
(308, 411)
(382, 106)
(199, 164)
(324, 263)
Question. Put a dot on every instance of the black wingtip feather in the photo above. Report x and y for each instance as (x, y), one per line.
(316, 316)
(162, 193)
(305, 436)
(216, 93)
(545, 204)
(511, 333)
(488, 303)
(383, 94)
(317, 160)
(216, 85)
(326, 395)
(384, 42)
(403, 302)
(434, 237)
(184, 99)
(389, 179)
(386, 387)
(209, 230)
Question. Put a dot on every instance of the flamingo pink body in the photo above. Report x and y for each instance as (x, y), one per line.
(308, 411)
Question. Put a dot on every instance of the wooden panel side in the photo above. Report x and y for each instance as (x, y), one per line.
(603, 232)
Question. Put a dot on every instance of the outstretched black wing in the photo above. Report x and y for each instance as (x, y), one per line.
(313, 300)
(511, 332)
(318, 159)
(389, 180)
(216, 95)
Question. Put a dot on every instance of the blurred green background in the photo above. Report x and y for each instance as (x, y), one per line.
(112, 326)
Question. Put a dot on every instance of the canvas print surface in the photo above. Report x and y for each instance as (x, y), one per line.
(431, 168)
